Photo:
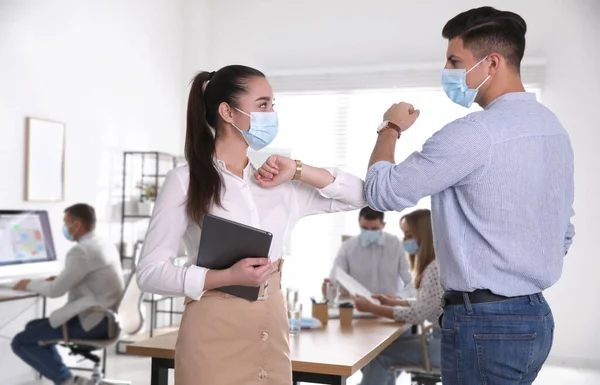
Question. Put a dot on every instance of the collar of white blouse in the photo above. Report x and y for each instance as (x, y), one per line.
(248, 170)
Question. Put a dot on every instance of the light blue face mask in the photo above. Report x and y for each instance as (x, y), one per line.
(411, 246)
(263, 129)
(370, 236)
(454, 82)
(67, 234)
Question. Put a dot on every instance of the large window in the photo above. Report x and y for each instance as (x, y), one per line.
(337, 129)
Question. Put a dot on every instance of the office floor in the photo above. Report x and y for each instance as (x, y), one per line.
(137, 370)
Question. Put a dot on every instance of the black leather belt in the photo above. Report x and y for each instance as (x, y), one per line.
(451, 298)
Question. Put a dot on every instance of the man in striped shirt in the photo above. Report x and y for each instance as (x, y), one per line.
(501, 187)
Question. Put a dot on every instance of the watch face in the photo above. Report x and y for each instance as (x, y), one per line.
(382, 125)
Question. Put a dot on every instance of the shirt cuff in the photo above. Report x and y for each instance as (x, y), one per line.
(400, 313)
(193, 282)
(332, 189)
(378, 166)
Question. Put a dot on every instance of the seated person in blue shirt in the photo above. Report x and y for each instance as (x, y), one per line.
(374, 258)
(407, 350)
(92, 278)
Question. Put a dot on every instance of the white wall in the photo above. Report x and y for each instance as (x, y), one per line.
(571, 91)
(278, 36)
(112, 71)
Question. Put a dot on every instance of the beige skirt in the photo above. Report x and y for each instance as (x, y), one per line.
(226, 340)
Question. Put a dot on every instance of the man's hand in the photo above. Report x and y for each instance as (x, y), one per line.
(324, 287)
(22, 285)
(275, 171)
(402, 114)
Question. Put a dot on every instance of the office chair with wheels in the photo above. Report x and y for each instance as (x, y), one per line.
(84, 348)
(422, 375)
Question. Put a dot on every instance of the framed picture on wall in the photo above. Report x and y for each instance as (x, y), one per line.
(44, 160)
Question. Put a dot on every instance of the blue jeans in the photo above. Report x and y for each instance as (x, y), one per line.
(497, 343)
(406, 350)
(45, 359)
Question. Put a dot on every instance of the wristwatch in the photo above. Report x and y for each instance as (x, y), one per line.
(386, 124)
(298, 173)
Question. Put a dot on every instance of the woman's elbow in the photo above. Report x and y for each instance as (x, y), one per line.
(144, 275)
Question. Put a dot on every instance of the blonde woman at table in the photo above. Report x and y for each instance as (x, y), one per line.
(407, 350)
(226, 340)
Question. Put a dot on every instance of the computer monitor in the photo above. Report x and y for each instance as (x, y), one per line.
(26, 244)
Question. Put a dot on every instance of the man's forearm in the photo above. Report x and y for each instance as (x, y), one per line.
(385, 147)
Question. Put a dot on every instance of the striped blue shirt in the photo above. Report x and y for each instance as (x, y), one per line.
(501, 187)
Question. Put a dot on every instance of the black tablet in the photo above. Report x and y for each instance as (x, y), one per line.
(224, 242)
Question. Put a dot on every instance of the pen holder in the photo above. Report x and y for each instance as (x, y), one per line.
(346, 314)
(320, 311)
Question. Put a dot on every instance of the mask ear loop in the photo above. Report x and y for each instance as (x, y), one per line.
(244, 133)
(481, 61)
(486, 79)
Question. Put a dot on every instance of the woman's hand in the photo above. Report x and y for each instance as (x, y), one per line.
(362, 303)
(250, 272)
(386, 299)
(390, 300)
(275, 171)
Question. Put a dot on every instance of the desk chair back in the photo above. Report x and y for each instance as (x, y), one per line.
(425, 375)
(131, 317)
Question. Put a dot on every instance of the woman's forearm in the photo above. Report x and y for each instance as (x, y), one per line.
(399, 302)
(316, 177)
(382, 311)
(217, 278)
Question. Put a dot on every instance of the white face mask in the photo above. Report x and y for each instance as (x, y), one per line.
(264, 127)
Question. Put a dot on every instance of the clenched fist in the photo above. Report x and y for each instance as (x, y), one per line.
(402, 114)
(275, 171)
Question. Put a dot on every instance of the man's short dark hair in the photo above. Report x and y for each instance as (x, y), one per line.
(486, 30)
(84, 213)
(370, 214)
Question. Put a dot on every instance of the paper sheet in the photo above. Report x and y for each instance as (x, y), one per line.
(352, 285)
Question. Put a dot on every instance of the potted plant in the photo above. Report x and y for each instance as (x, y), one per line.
(148, 192)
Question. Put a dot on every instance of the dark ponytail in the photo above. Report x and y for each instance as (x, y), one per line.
(208, 91)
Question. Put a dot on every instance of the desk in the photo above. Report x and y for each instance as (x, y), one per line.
(10, 298)
(327, 356)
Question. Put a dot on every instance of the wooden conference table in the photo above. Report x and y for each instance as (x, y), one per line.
(326, 356)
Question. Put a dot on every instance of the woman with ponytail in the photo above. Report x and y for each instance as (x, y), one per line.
(223, 339)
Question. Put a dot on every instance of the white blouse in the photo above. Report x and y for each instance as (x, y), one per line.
(426, 305)
(275, 210)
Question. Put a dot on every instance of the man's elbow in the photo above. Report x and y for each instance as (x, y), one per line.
(56, 293)
(372, 193)
(378, 196)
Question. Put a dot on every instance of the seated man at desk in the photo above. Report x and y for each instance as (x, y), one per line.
(92, 278)
(374, 258)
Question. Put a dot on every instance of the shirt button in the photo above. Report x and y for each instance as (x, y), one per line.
(264, 336)
(262, 373)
